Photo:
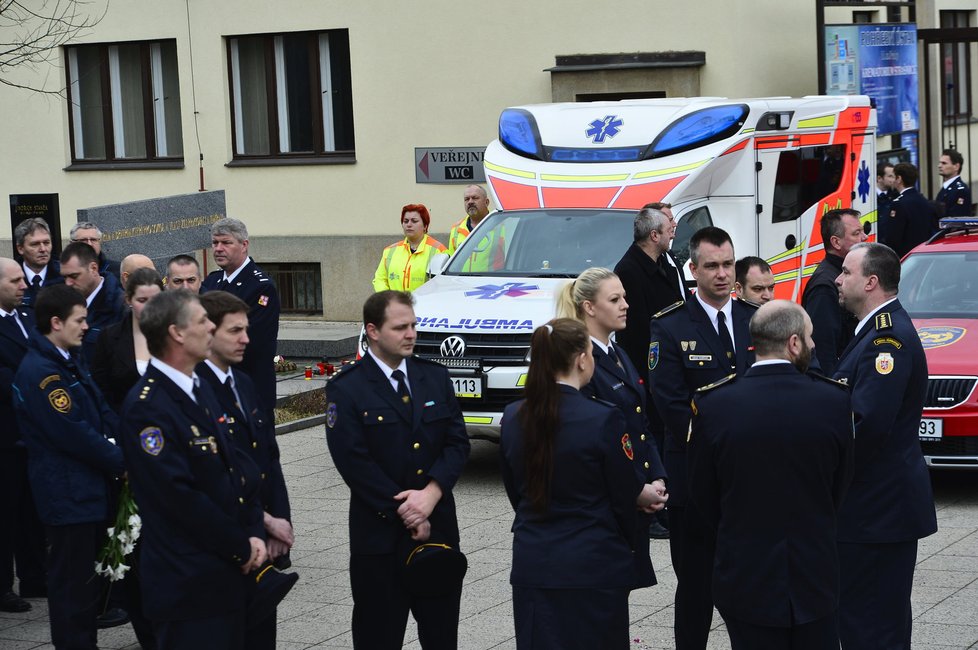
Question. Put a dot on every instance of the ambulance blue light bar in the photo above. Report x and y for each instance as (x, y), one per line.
(700, 128)
(519, 133)
(626, 154)
(958, 222)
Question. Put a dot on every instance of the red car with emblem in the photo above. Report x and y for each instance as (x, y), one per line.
(939, 288)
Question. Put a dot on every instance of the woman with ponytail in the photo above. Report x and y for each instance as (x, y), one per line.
(597, 299)
(568, 471)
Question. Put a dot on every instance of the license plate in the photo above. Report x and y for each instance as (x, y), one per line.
(470, 387)
(931, 429)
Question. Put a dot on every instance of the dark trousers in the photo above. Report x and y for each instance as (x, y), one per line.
(262, 635)
(820, 634)
(381, 603)
(73, 591)
(570, 619)
(225, 632)
(23, 542)
(874, 606)
(692, 545)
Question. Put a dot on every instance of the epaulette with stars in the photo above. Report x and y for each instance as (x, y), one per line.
(343, 371)
(668, 310)
(883, 321)
(147, 389)
(716, 384)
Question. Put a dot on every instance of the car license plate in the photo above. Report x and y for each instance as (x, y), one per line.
(931, 429)
(470, 387)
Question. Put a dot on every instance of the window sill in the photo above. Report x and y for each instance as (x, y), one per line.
(958, 120)
(298, 160)
(116, 166)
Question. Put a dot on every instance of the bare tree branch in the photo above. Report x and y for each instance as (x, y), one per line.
(33, 31)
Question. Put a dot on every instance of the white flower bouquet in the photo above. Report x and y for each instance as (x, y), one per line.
(123, 534)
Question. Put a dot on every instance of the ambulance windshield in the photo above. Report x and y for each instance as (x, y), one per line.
(544, 243)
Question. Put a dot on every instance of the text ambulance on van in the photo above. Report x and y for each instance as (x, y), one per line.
(568, 180)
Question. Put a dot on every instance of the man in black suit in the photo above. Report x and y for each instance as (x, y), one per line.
(834, 326)
(251, 430)
(652, 280)
(103, 295)
(884, 188)
(890, 504)
(694, 344)
(776, 586)
(24, 539)
(651, 277)
(954, 196)
(912, 218)
(196, 492)
(32, 238)
(396, 434)
(241, 276)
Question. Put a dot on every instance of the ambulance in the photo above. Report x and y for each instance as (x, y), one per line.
(567, 180)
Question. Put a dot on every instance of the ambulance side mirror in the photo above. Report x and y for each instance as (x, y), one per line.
(437, 264)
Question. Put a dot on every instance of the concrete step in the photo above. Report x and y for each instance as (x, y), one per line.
(316, 339)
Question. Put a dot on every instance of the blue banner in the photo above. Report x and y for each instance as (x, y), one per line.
(880, 61)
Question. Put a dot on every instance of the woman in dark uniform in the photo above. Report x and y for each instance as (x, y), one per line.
(568, 471)
(597, 299)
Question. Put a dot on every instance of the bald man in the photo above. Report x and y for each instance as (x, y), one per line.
(132, 262)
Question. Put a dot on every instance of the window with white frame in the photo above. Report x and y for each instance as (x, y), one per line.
(291, 95)
(124, 102)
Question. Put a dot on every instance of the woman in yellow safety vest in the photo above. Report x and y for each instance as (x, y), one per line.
(404, 265)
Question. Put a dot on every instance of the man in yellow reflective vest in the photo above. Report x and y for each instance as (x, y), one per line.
(490, 254)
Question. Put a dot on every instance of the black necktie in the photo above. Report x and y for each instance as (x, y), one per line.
(614, 357)
(725, 338)
(229, 388)
(36, 282)
(402, 389)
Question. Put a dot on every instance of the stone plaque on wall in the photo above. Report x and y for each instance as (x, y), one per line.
(158, 228)
(45, 206)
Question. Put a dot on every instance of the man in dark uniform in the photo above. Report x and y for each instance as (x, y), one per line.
(884, 188)
(67, 425)
(202, 526)
(692, 345)
(954, 196)
(87, 232)
(250, 429)
(912, 218)
(652, 280)
(776, 586)
(103, 295)
(755, 280)
(24, 539)
(396, 434)
(32, 238)
(834, 326)
(890, 504)
(241, 276)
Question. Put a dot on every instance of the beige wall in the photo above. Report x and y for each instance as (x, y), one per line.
(425, 73)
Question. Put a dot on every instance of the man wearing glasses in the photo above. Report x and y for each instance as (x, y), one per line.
(87, 232)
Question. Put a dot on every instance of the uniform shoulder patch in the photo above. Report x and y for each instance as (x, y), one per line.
(884, 321)
(720, 382)
(60, 400)
(331, 415)
(834, 382)
(668, 310)
(151, 440)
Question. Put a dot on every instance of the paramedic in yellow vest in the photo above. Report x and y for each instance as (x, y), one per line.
(489, 254)
(404, 265)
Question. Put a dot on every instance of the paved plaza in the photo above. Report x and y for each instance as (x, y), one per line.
(316, 614)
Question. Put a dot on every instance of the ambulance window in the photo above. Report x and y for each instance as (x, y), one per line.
(688, 224)
(804, 177)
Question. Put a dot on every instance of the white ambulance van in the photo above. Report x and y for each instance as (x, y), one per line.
(567, 180)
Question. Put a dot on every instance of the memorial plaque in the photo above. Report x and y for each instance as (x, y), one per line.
(45, 206)
(158, 228)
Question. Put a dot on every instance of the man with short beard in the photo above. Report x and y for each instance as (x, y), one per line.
(776, 571)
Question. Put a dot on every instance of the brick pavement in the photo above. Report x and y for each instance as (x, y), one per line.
(317, 612)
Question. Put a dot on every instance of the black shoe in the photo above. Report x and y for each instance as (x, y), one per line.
(11, 602)
(658, 531)
(112, 617)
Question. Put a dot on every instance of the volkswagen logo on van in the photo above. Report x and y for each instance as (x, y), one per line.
(453, 346)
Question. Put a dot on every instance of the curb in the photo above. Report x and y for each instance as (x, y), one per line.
(295, 425)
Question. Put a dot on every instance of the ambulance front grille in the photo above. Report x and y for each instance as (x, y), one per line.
(499, 349)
